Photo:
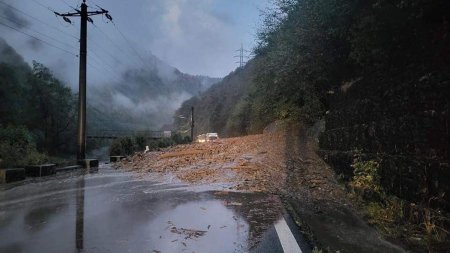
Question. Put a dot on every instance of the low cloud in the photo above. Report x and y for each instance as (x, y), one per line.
(34, 44)
(16, 20)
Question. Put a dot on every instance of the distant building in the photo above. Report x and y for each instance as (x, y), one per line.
(167, 134)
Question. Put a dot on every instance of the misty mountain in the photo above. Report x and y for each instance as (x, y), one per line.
(222, 107)
(144, 98)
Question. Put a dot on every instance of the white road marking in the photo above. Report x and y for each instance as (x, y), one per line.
(286, 237)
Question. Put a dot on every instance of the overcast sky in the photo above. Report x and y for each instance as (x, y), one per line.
(195, 36)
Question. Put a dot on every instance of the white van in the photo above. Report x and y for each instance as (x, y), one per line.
(207, 137)
(211, 136)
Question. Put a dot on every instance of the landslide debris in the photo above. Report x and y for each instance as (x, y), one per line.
(249, 163)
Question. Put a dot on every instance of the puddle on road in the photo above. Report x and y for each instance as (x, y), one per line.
(218, 229)
(116, 212)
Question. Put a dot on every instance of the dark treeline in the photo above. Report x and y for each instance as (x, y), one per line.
(309, 50)
(313, 49)
(378, 74)
(37, 112)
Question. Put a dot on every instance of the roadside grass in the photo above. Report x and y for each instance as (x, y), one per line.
(395, 218)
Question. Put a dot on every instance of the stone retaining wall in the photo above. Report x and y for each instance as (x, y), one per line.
(405, 126)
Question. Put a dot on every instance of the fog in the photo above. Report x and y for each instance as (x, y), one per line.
(197, 37)
(135, 63)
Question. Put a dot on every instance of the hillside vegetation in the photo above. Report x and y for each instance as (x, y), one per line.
(378, 73)
(309, 51)
(37, 112)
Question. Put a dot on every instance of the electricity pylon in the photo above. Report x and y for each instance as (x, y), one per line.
(240, 56)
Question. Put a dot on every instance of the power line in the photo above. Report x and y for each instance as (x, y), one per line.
(37, 19)
(120, 49)
(130, 44)
(38, 3)
(97, 58)
(95, 66)
(34, 37)
(105, 51)
(70, 6)
(53, 11)
(100, 59)
(45, 35)
(106, 67)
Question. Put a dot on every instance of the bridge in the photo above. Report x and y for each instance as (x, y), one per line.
(113, 134)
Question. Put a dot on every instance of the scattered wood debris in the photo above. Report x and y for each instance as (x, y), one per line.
(248, 163)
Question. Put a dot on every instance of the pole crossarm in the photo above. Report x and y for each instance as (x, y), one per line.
(78, 13)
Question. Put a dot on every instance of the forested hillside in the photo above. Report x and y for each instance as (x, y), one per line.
(220, 108)
(378, 73)
(37, 112)
(310, 50)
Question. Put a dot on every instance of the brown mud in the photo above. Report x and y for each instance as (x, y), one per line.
(280, 161)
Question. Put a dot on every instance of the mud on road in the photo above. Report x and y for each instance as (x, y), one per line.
(252, 163)
(281, 161)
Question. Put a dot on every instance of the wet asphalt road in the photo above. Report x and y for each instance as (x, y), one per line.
(116, 211)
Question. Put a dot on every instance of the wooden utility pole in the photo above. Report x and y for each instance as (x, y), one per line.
(84, 15)
(192, 124)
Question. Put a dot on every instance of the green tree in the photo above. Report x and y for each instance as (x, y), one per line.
(54, 111)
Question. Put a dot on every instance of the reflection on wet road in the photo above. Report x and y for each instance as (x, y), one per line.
(114, 211)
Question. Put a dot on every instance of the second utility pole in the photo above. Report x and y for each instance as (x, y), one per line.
(192, 124)
(84, 16)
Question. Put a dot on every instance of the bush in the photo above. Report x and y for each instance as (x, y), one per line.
(366, 180)
(17, 148)
(35, 157)
(187, 139)
(140, 142)
(165, 142)
(179, 139)
(122, 146)
(127, 146)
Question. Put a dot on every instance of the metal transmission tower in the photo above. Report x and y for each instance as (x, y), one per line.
(84, 14)
(240, 56)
